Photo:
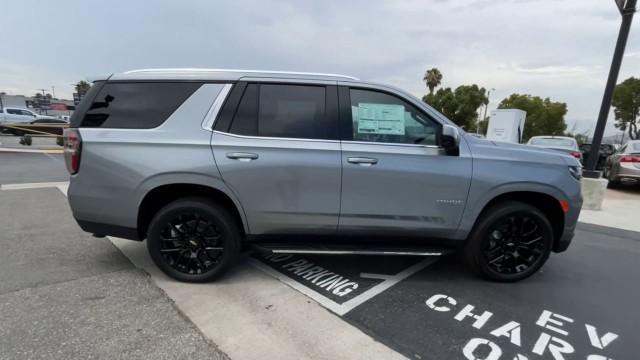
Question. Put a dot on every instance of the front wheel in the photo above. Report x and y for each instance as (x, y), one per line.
(193, 240)
(510, 242)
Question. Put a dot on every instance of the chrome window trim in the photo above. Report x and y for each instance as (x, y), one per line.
(274, 138)
(212, 114)
(390, 144)
(325, 140)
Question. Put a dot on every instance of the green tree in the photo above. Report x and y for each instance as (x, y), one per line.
(544, 117)
(82, 87)
(626, 104)
(459, 105)
(432, 79)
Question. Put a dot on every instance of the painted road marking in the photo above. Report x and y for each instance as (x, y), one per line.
(343, 308)
(34, 185)
(36, 151)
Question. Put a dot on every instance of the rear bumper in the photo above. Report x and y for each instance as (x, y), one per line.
(108, 229)
(627, 171)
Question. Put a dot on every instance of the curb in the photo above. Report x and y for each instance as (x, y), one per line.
(32, 151)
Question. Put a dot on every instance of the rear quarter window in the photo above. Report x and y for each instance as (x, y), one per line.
(131, 105)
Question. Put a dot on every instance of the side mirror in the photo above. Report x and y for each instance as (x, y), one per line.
(450, 140)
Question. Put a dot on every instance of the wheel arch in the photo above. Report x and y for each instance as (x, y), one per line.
(159, 194)
(547, 203)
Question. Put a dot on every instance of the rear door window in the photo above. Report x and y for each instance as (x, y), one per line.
(142, 105)
(284, 111)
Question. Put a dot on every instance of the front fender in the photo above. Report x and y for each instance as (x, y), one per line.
(479, 198)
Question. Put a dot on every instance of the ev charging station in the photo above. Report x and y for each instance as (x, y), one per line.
(506, 125)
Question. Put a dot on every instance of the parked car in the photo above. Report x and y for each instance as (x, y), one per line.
(49, 121)
(564, 144)
(624, 165)
(605, 151)
(18, 115)
(203, 163)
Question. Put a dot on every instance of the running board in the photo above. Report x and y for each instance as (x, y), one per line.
(339, 249)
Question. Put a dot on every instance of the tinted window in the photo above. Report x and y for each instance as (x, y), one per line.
(13, 112)
(293, 111)
(380, 117)
(246, 119)
(136, 105)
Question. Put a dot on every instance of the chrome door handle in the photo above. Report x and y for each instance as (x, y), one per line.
(364, 161)
(242, 156)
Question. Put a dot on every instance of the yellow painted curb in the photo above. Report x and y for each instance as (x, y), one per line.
(54, 151)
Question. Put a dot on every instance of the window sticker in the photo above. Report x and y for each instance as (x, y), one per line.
(386, 119)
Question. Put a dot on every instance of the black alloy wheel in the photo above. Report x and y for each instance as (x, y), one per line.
(191, 243)
(193, 240)
(514, 243)
(511, 241)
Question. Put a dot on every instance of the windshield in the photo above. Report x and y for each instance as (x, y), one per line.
(553, 142)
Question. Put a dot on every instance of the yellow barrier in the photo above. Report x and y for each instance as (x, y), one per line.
(40, 129)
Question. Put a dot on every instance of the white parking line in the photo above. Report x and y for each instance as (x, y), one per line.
(33, 185)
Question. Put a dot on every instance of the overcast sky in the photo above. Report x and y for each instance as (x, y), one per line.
(556, 48)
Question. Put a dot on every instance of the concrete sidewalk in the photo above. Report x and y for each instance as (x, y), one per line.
(620, 210)
(67, 295)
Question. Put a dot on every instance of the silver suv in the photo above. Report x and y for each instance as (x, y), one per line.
(204, 163)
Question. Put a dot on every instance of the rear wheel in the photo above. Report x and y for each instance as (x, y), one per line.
(193, 240)
(511, 241)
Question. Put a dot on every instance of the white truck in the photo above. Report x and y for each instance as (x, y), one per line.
(506, 125)
(18, 115)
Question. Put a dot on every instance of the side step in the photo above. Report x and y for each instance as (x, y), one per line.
(349, 249)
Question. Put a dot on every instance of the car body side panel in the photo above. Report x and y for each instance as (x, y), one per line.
(411, 191)
(293, 186)
(119, 166)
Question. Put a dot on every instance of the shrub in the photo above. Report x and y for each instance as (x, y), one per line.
(26, 140)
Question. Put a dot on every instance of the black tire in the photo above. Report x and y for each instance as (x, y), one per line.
(193, 240)
(513, 234)
(612, 184)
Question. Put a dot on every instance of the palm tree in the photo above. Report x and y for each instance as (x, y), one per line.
(82, 87)
(432, 78)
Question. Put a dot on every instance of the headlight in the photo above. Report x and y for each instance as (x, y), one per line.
(576, 172)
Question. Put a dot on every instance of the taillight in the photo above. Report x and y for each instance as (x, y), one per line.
(72, 149)
(576, 154)
(630, 159)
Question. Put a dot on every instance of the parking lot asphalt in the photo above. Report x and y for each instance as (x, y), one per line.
(582, 305)
(67, 295)
(16, 167)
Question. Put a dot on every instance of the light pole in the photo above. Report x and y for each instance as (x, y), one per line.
(484, 117)
(627, 9)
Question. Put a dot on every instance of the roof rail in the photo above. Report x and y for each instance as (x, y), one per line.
(179, 70)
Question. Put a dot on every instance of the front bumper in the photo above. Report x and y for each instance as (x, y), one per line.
(570, 222)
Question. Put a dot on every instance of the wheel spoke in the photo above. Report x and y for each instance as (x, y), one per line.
(514, 243)
(191, 243)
